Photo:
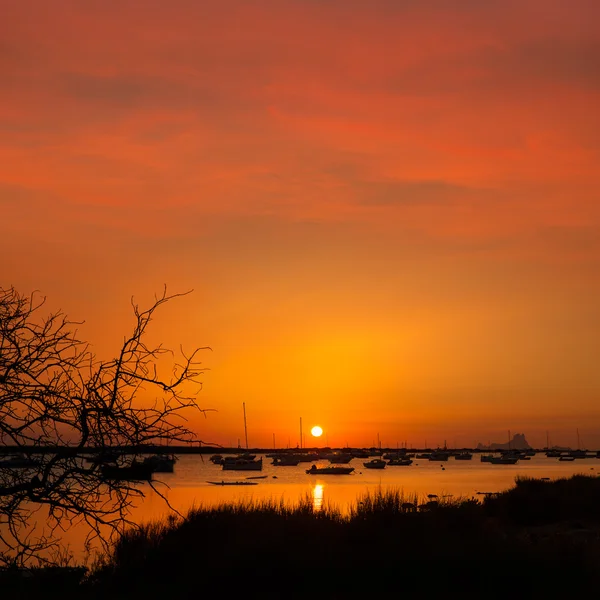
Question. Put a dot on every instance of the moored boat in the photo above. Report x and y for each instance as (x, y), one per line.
(504, 460)
(439, 456)
(136, 471)
(232, 463)
(375, 463)
(232, 482)
(329, 470)
(400, 462)
(161, 463)
(286, 461)
(19, 462)
(463, 456)
(340, 459)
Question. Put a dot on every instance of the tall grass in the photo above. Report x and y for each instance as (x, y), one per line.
(537, 538)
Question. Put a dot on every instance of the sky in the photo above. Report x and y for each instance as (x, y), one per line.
(388, 211)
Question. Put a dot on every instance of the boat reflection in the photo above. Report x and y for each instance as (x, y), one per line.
(318, 497)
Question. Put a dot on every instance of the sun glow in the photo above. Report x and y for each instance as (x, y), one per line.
(318, 497)
(316, 431)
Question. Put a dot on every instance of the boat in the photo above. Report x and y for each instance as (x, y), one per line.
(232, 463)
(233, 482)
(245, 456)
(439, 456)
(566, 458)
(400, 462)
(486, 457)
(103, 458)
(463, 456)
(216, 459)
(19, 462)
(394, 455)
(340, 459)
(329, 470)
(309, 457)
(360, 453)
(286, 461)
(504, 460)
(161, 463)
(257, 477)
(136, 471)
(375, 463)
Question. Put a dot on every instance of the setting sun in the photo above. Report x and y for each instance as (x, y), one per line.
(316, 431)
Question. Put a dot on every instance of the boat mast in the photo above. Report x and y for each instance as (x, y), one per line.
(509, 440)
(245, 425)
(300, 432)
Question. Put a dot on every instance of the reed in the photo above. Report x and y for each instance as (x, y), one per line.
(538, 537)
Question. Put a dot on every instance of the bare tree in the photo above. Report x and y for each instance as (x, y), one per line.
(58, 401)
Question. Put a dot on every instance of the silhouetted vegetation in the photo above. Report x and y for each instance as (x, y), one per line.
(538, 538)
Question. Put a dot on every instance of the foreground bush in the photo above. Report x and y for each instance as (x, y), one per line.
(537, 538)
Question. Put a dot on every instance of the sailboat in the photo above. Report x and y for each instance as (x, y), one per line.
(243, 462)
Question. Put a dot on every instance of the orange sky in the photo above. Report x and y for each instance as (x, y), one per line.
(389, 210)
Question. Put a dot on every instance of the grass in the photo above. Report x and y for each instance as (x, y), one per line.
(537, 538)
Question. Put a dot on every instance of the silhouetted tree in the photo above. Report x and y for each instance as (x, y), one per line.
(57, 395)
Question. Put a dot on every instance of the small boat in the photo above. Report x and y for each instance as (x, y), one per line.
(241, 464)
(309, 457)
(161, 463)
(19, 462)
(136, 471)
(463, 456)
(400, 462)
(102, 458)
(233, 482)
(340, 459)
(246, 456)
(504, 460)
(394, 455)
(216, 459)
(329, 470)
(566, 458)
(375, 463)
(286, 461)
(360, 454)
(257, 477)
(439, 456)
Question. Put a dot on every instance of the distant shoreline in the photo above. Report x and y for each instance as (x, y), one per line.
(179, 449)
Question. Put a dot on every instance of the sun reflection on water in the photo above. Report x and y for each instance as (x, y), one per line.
(318, 496)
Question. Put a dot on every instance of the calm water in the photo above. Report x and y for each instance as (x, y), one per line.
(188, 487)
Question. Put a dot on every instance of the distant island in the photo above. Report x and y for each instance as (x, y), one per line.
(518, 442)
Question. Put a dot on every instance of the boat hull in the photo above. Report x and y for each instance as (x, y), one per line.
(242, 465)
(232, 482)
(140, 472)
(331, 471)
